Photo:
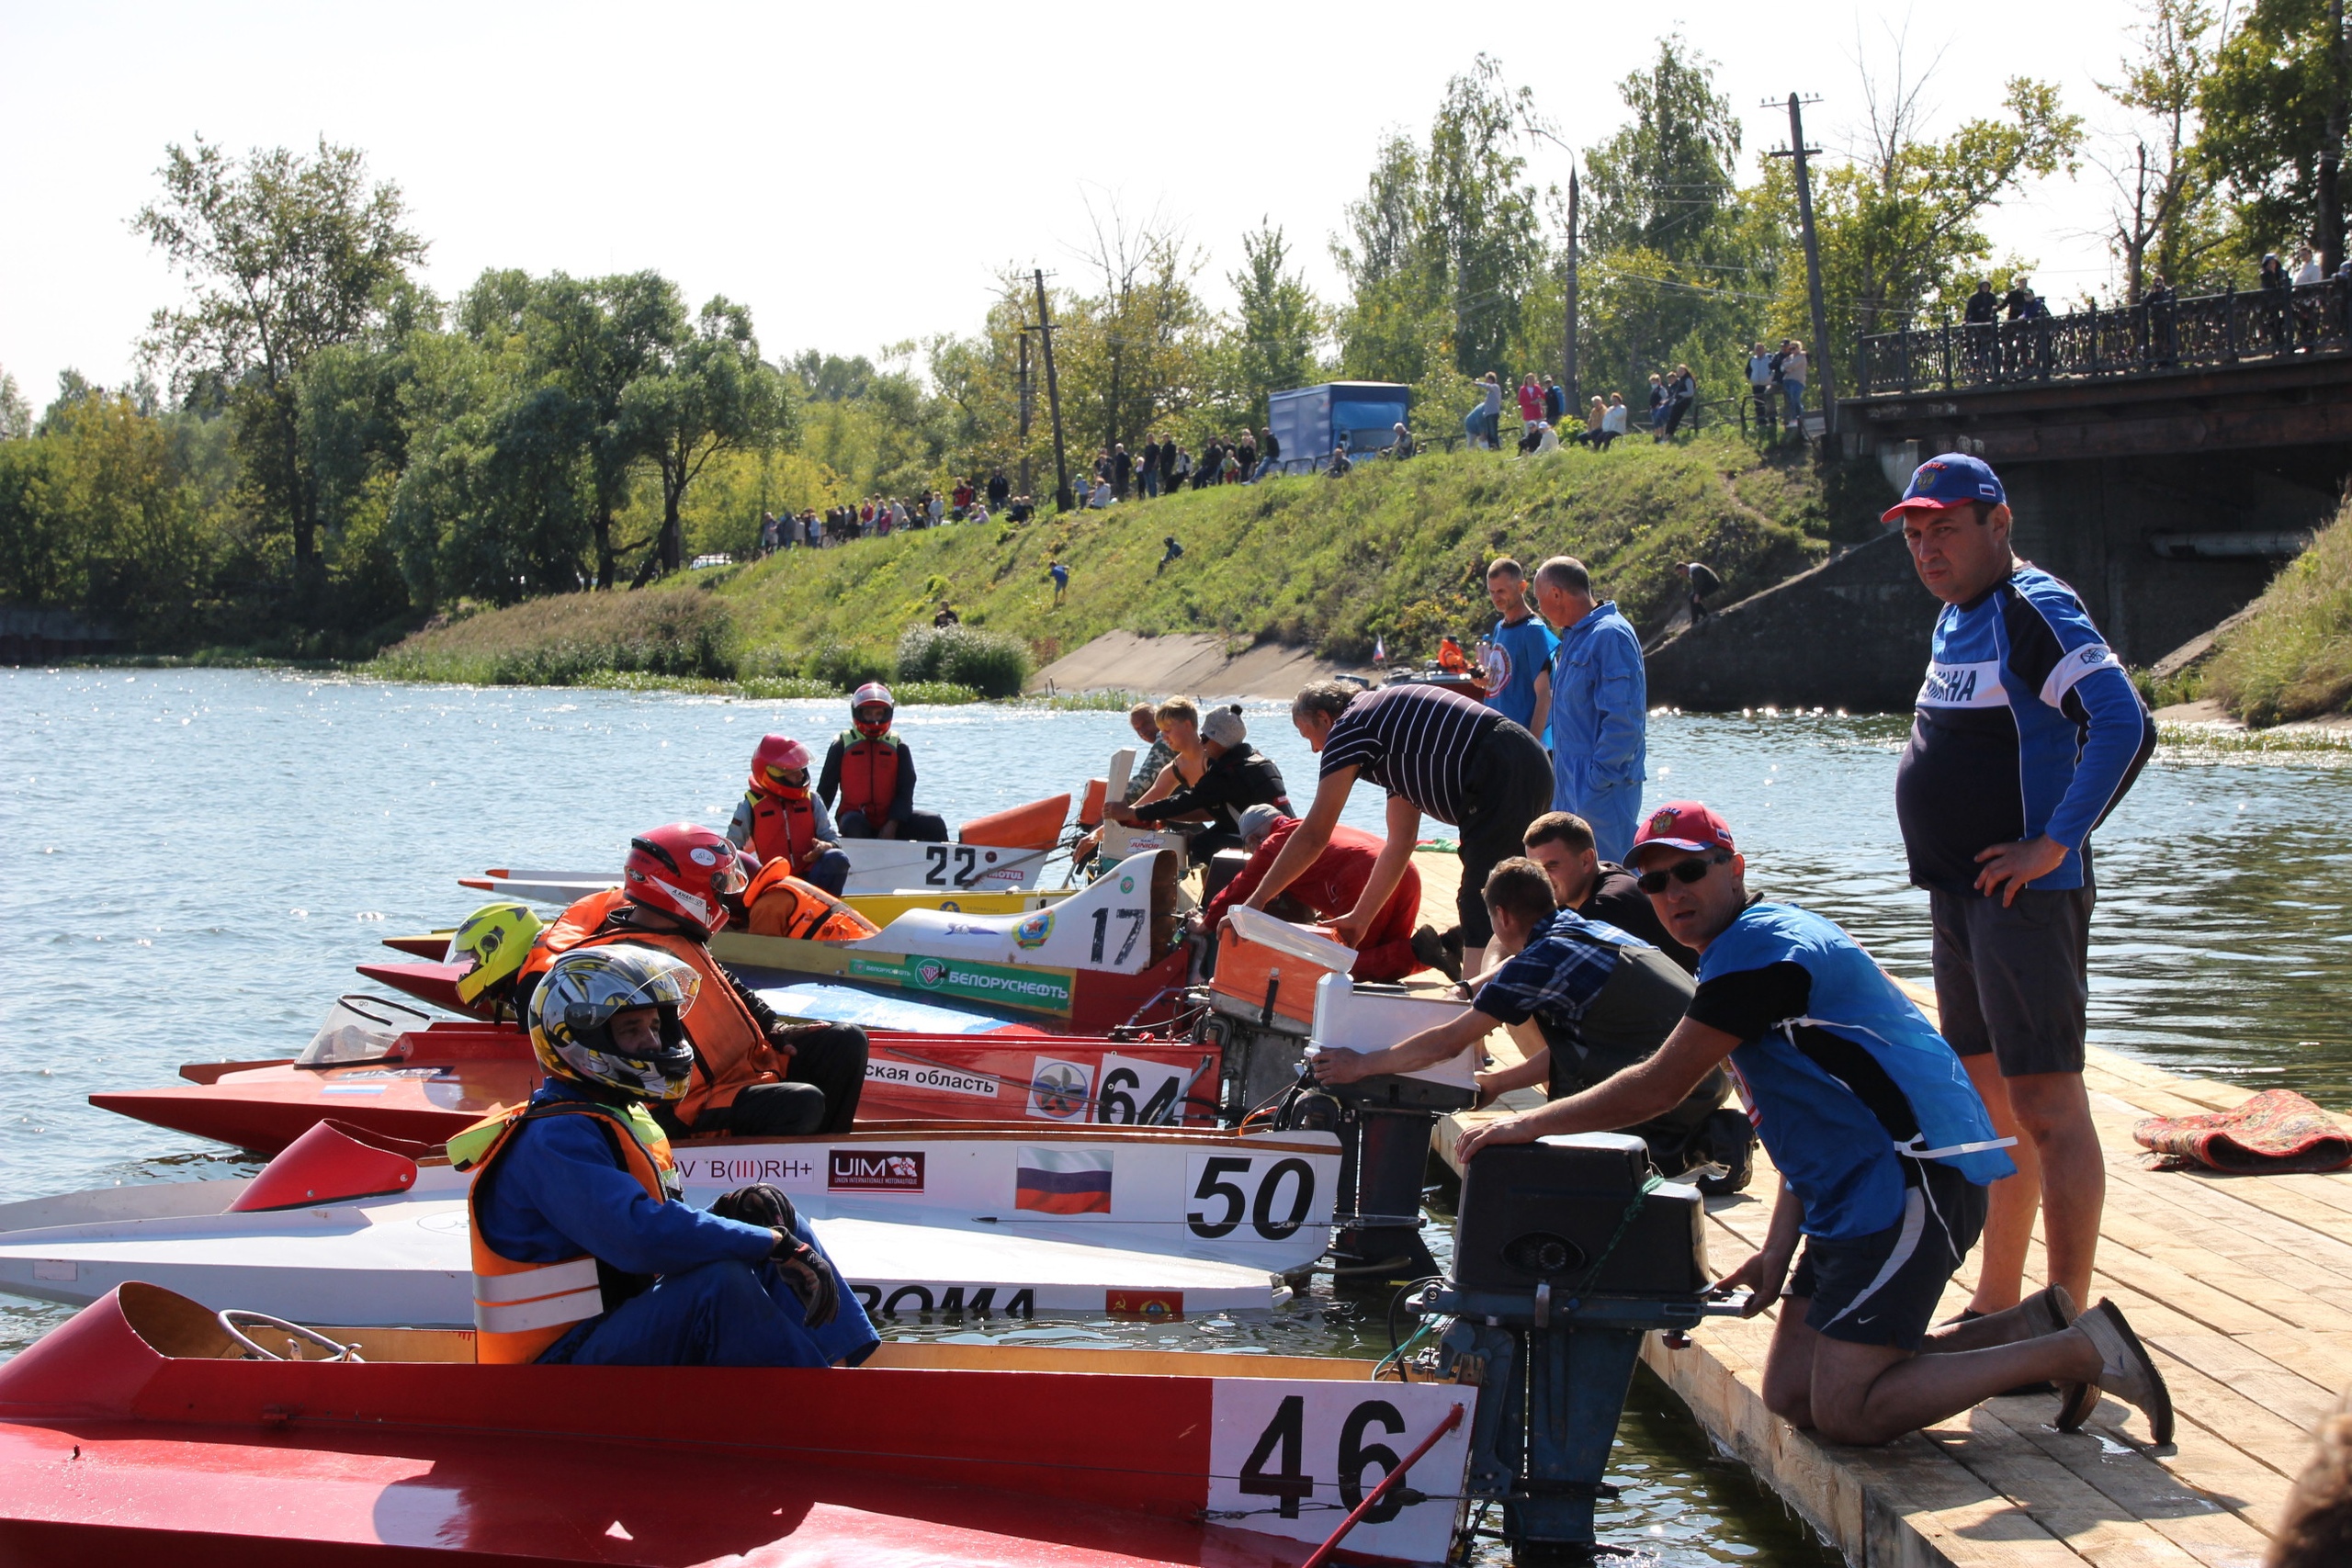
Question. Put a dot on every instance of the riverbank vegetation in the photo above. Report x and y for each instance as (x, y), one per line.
(2290, 658)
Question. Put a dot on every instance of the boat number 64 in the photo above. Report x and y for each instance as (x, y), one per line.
(1274, 1196)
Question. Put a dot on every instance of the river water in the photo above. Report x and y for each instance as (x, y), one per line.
(195, 859)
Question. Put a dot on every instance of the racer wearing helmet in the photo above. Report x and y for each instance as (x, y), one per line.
(492, 944)
(753, 1073)
(582, 1250)
(871, 770)
(781, 818)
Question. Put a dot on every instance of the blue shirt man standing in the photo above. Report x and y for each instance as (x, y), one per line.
(1598, 707)
(1519, 656)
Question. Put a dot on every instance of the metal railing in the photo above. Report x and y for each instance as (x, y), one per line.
(2208, 329)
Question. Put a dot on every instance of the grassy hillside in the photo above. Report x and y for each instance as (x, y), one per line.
(1395, 550)
(2292, 657)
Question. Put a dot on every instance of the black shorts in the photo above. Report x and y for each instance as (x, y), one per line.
(1882, 1289)
(1506, 784)
(2013, 980)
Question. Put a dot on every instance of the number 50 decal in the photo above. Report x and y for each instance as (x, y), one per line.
(1290, 1457)
(1274, 1194)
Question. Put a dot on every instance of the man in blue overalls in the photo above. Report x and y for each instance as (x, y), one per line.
(1885, 1151)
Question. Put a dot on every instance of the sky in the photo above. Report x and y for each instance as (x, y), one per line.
(859, 174)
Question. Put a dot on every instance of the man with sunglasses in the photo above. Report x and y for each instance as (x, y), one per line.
(2027, 734)
(1884, 1150)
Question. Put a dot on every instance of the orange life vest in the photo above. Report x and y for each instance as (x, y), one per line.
(783, 905)
(574, 926)
(732, 1051)
(520, 1309)
(869, 775)
(784, 827)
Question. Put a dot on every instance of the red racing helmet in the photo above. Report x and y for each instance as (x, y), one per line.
(686, 870)
(874, 694)
(777, 755)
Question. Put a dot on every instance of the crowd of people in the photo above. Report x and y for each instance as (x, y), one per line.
(879, 516)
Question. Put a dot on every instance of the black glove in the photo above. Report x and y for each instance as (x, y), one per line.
(759, 1205)
(810, 1277)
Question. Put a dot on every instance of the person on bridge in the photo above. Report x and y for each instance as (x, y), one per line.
(753, 1074)
(1519, 650)
(1233, 777)
(1603, 1002)
(1885, 1151)
(780, 818)
(1600, 701)
(1328, 889)
(1436, 752)
(2026, 734)
(873, 772)
(582, 1252)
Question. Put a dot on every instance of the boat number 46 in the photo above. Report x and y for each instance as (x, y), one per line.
(1273, 1195)
(1288, 1458)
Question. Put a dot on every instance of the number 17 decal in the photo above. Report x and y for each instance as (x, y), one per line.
(1291, 1459)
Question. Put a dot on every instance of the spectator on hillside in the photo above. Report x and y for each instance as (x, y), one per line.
(961, 500)
(1792, 374)
(1531, 401)
(1148, 469)
(937, 510)
(946, 617)
(1616, 421)
(1659, 398)
(1101, 498)
(1491, 390)
(1702, 580)
(1209, 467)
(1400, 443)
(1169, 480)
(999, 488)
(1545, 439)
(769, 534)
(979, 511)
(1759, 387)
(1339, 463)
(1023, 508)
(1230, 470)
(1121, 468)
(1270, 452)
(1179, 468)
(1590, 434)
(1245, 455)
(1555, 402)
(1681, 397)
(1169, 553)
(1060, 574)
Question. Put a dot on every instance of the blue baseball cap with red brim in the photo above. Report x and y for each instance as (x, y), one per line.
(1946, 480)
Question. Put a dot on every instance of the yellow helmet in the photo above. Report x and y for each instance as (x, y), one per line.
(493, 941)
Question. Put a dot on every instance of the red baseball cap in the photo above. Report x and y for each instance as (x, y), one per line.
(1682, 825)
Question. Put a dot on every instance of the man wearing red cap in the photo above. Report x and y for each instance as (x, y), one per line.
(2026, 734)
(1884, 1150)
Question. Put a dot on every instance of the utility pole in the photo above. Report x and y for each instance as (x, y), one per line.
(1797, 150)
(1062, 498)
(1028, 403)
(1572, 405)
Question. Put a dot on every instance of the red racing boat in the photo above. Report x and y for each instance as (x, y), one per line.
(150, 1429)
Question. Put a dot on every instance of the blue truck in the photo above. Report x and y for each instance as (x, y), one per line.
(1311, 421)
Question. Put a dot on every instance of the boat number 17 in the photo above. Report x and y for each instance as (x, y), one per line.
(1103, 931)
(967, 861)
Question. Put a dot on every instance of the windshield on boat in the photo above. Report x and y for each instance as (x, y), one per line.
(359, 1029)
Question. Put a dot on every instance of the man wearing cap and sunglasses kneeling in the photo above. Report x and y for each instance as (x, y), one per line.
(1884, 1150)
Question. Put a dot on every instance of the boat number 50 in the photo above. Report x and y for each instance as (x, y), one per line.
(967, 860)
(1273, 1195)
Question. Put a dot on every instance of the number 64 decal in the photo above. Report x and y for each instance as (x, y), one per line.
(1273, 1193)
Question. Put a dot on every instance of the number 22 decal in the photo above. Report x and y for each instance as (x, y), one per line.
(967, 860)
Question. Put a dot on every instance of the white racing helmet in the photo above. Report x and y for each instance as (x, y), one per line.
(572, 1012)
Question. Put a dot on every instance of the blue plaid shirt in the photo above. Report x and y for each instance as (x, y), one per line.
(1558, 974)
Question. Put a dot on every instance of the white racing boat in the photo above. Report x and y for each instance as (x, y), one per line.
(876, 866)
(1147, 1222)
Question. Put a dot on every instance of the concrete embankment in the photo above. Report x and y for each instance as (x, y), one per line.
(1185, 663)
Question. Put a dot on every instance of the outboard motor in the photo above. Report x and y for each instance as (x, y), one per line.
(1565, 1252)
(1383, 1125)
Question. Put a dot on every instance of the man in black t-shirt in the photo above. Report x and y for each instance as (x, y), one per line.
(1561, 842)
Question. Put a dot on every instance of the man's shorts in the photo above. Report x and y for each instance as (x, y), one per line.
(1882, 1289)
(2013, 980)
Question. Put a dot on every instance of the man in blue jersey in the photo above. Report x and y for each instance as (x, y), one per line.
(1519, 652)
(1884, 1152)
(1599, 708)
(2026, 735)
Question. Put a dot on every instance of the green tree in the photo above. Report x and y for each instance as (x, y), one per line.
(2274, 111)
(285, 255)
(16, 414)
(1130, 348)
(2165, 215)
(710, 394)
(1277, 323)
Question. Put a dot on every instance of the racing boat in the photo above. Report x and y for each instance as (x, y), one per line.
(348, 1228)
(389, 1069)
(150, 1428)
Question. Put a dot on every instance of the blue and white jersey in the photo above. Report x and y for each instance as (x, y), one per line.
(2026, 724)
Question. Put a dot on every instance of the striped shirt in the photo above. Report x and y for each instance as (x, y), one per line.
(1411, 740)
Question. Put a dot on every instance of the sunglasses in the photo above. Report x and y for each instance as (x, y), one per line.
(1684, 870)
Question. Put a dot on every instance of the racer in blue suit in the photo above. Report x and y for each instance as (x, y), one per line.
(2026, 733)
(1884, 1152)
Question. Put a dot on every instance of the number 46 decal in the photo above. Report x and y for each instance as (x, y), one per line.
(1290, 1459)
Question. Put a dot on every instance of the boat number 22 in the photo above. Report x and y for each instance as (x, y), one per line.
(967, 860)
(1274, 1196)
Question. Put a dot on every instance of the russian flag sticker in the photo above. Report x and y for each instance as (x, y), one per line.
(1063, 1182)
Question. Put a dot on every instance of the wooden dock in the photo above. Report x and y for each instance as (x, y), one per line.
(2241, 1286)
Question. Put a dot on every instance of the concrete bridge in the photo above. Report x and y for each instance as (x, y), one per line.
(2166, 461)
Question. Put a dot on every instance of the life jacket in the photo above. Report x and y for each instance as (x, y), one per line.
(869, 775)
(574, 926)
(520, 1309)
(784, 827)
(732, 1051)
(783, 905)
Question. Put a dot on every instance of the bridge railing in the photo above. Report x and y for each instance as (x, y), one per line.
(2204, 329)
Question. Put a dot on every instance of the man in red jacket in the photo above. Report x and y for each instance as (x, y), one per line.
(1328, 889)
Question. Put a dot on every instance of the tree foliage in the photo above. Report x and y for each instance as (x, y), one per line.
(2166, 219)
(2274, 108)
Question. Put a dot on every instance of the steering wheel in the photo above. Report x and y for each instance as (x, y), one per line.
(231, 1319)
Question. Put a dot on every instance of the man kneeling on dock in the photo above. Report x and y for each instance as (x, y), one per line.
(1604, 1003)
(1885, 1151)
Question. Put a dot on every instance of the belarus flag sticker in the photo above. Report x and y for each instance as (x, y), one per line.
(1063, 1182)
